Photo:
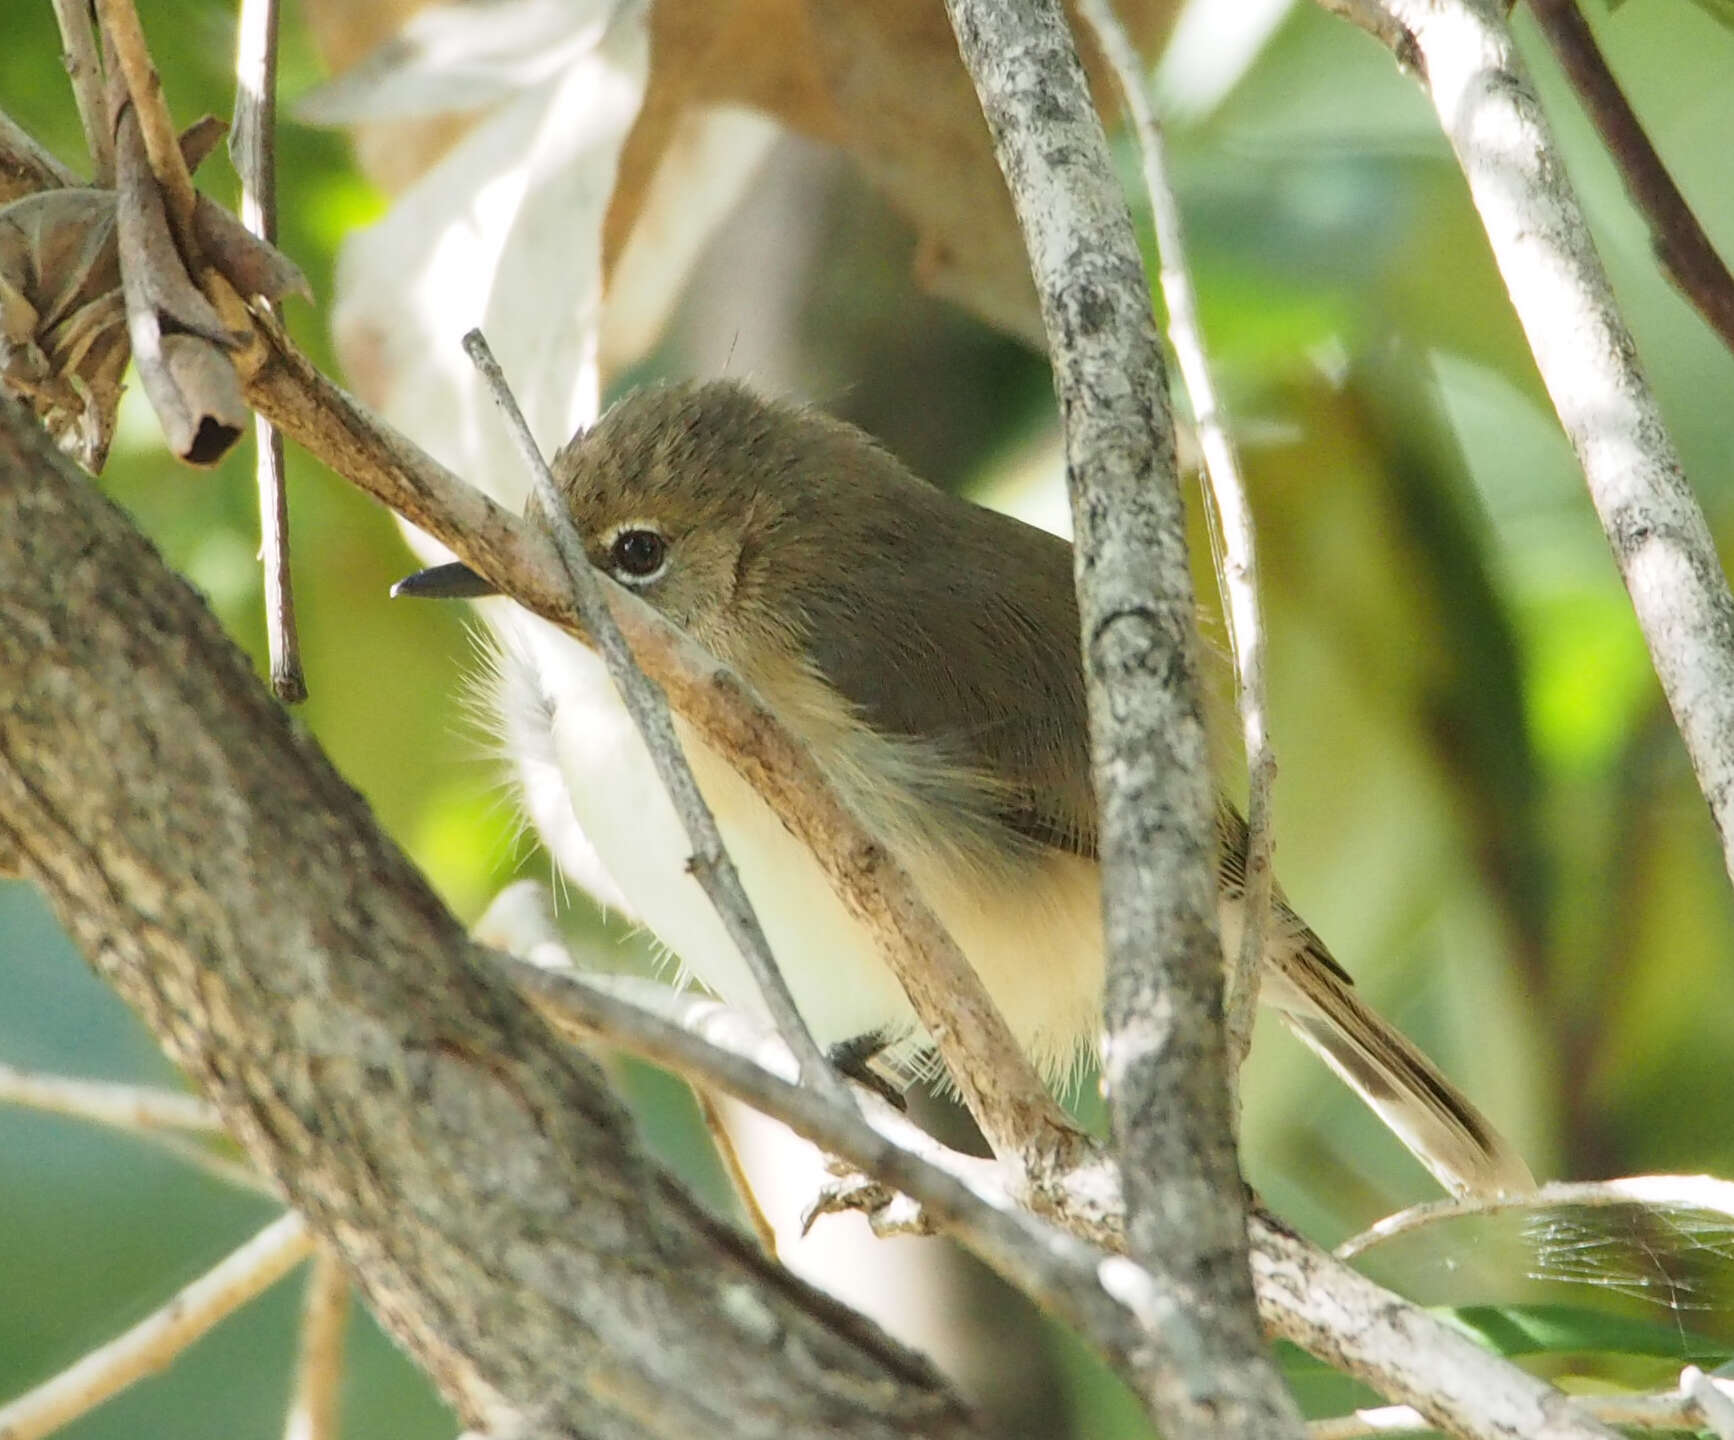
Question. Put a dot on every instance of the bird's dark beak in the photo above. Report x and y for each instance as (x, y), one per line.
(444, 582)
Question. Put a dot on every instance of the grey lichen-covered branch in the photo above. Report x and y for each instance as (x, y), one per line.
(1304, 1295)
(1464, 55)
(483, 1185)
(1164, 1056)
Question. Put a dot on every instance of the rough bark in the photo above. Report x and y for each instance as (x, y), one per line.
(1164, 1057)
(484, 1187)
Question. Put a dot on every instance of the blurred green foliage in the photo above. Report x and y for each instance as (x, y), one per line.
(1482, 802)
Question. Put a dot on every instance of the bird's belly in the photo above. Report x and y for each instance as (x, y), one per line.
(1032, 933)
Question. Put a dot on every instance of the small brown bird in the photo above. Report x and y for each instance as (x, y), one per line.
(928, 650)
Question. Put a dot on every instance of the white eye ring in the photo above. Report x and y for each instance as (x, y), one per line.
(637, 552)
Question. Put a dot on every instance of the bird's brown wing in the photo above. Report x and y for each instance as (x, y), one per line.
(959, 628)
(1000, 593)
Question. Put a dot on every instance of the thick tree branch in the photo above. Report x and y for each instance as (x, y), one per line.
(473, 1171)
(1237, 554)
(1463, 52)
(1164, 1056)
(1304, 1295)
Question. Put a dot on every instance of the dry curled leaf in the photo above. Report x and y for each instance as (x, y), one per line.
(888, 1211)
(180, 338)
(63, 340)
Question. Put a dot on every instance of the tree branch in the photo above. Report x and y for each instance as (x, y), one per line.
(1304, 1295)
(1688, 1407)
(1310, 1299)
(253, 147)
(317, 1401)
(475, 1174)
(1463, 53)
(84, 69)
(1684, 250)
(1237, 554)
(711, 863)
(1164, 1055)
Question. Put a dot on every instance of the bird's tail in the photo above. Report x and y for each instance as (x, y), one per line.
(1431, 1116)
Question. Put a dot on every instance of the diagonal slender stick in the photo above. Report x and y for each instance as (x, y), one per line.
(253, 147)
(128, 51)
(125, 1107)
(163, 1117)
(314, 1411)
(1685, 251)
(156, 1339)
(711, 864)
(1234, 510)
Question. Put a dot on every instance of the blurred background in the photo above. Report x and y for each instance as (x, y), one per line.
(1482, 803)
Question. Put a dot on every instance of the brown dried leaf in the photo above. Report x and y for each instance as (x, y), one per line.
(393, 153)
(880, 78)
(252, 265)
(25, 166)
(179, 337)
(153, 264)
(63, 339)
(200, 138)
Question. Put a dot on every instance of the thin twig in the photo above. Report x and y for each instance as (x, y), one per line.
(1669, 1192)
(253, 148)
(125, 1107)
(728, 1153)
(1228, 490)
(131, 55)
(1682, 247)
(1680, 1409)
(1165, 1059)
(235, 1173)
(519, 922)
(84, 69)
(1464, 54)
(1304, 1295)
(155, 1340)
(162, 1117)
(711, 864)
(315, 1410)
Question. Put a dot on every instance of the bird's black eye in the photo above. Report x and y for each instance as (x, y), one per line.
(637, 553)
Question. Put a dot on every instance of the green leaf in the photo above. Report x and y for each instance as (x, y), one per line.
(1555, 1329)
